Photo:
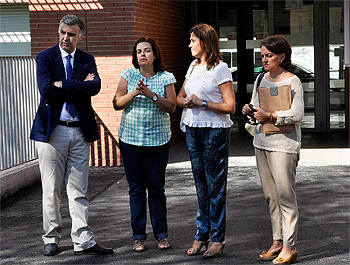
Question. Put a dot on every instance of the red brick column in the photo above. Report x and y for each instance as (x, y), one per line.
(111, 30)
(165, 22)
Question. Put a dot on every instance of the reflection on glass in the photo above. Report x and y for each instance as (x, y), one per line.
(228, 42)
(296, 24)
(260, 24)
(336, 66)
(228, 37)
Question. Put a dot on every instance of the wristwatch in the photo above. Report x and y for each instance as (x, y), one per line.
(154, 98)
(204, 104)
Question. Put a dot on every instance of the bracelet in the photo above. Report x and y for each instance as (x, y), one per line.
(204, 104)
(270, 116)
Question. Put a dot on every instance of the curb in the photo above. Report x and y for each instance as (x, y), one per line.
(18, 177)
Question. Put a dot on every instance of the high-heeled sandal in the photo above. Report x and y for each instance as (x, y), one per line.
(291, 259)
(215, 254)
(139, 245)
(196, 250)
(270, 255)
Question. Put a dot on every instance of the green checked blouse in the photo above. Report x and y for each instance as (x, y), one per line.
(143, 123)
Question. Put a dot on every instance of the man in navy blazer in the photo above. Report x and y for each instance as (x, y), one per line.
(63, 128)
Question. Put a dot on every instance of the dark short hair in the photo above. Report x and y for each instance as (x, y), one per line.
(278, 44)
(71, 20)
(157, 63)
(209, 43)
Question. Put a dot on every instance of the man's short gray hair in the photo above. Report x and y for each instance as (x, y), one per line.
(71, 20)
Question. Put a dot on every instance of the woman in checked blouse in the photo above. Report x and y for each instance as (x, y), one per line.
(146, 94)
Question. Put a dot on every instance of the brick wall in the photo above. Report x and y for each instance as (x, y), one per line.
(111, 30)
(165, 22)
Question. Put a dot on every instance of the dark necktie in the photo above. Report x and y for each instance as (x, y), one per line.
(70, 105)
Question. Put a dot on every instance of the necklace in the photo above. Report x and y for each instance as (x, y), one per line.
(272, 78)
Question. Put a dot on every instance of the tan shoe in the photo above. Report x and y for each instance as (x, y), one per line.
(196, 250)
(139, 245)
(291, 259)
(163, 244)
(269, 255)
(214, 254)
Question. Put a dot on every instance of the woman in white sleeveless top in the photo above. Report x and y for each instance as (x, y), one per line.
(208, 99)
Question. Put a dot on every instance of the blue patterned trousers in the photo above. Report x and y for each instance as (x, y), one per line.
(209, 151)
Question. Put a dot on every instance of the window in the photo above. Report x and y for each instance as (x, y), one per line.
(14, 30)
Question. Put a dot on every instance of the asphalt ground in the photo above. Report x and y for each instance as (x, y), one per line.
(323, 193)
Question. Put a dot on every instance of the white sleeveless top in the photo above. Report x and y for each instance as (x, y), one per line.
(205, 85)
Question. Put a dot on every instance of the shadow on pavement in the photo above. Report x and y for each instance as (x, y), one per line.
(323, 197)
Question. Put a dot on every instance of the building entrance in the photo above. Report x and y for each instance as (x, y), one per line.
(315, 30)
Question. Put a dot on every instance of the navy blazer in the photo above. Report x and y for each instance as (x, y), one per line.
(50, 68)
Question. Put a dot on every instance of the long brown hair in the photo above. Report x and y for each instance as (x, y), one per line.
(209, 43)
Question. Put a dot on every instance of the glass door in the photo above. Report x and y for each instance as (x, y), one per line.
(242, 25)
(228, 41)
(227, 29)
(336, 88)
(295, 21)
(315, 30)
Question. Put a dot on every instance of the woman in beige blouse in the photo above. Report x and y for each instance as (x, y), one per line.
(277, 154)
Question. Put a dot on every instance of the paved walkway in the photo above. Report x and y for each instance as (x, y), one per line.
(323, 197)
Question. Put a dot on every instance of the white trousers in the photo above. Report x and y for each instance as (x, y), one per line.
(277, 171)
(65, 160)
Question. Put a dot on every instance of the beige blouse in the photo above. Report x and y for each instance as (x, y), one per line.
(282, 142)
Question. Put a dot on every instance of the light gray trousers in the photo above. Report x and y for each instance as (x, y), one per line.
(65, 160)
(277, 171)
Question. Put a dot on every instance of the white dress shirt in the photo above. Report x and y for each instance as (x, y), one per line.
(205, 85)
